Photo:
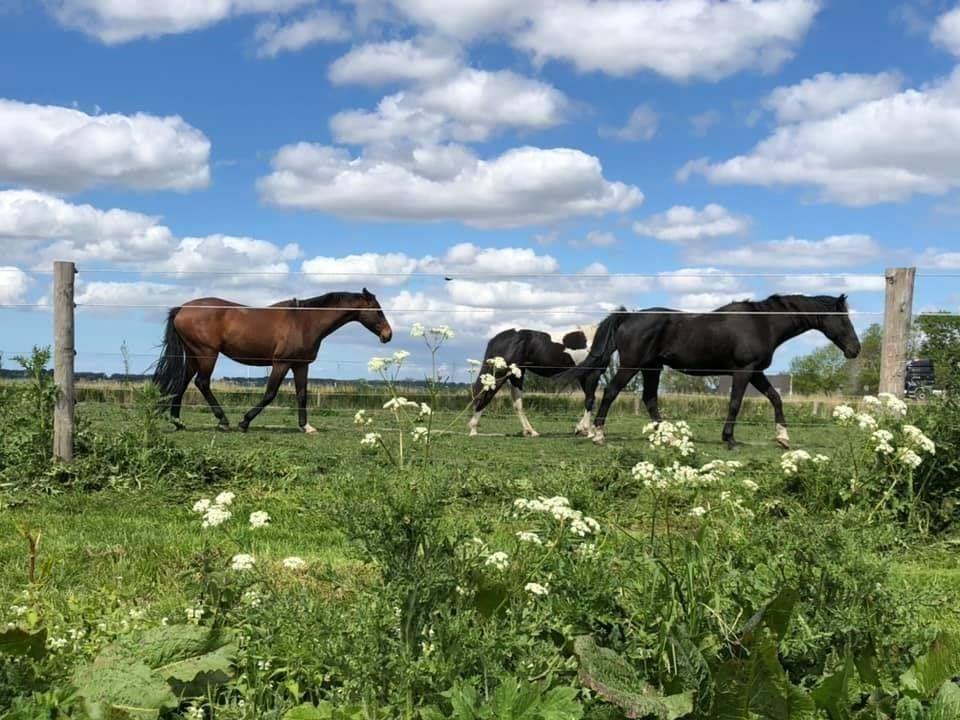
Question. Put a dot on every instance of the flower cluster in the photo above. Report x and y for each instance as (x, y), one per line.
(370, 439)
(361, 418)
(559, 507)
(259, 519)
(883, 440)
(294, 563)
(498, 560)
(242, 562)
(677, 475)
(536, 589)
(214, 513)
(918, 441)
(844, 414)
(790, 461)
(488, 381)
(420, 434)
(670, 435)
(529, 537)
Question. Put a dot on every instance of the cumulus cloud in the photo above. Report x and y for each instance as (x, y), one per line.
(707, 301)
(698, 280)
(832, 251)
(936, 259)
(469, 258)
(14, 285)
(682, 224)
(641, 125)
(60, 149)
(885, 149)
(833, 285)
(372, 268)
(827, 94)
(226, 253)
(398, 61)
(946, 31)
(523, 186)
(318, 26)
(680, 39)
(111, 296)
(469, 106)
(44, 227)
(114, 22)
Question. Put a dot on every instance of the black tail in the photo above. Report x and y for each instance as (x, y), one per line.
(171, 373)
(602, 349)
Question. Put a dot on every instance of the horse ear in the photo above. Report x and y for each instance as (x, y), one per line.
(366, 293)
(843, 299)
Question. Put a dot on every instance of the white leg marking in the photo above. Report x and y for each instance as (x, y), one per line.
(309, 429)
(474, 423)
(585, 425)
(517, 396)
(783, 437)
(598, 436)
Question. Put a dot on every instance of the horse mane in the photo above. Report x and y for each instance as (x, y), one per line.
(785, 303)
(330, 299)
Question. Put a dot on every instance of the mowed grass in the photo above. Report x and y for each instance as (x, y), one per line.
(138, 543)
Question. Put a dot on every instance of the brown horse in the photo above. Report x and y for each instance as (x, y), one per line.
(285, 335)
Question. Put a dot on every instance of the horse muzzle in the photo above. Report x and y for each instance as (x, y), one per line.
(386, 335)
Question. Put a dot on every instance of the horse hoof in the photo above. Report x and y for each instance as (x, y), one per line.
(732, 444)
(598, 438)
(784, 443)
(243, 427)
(309, 429)
(531, 433)
(178, 425)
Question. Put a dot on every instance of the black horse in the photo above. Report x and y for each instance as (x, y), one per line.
(738, 339)
(542, 354)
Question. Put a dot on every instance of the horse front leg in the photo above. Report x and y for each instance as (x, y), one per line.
(762, 383)
(300, 382)
(273, 385)
(482, 398)
(620, 381)
(588, 383)
(205, 367)
(651, 387)
(740, 381)
(516, 394)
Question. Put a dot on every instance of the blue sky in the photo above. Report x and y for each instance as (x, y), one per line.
(788, 139)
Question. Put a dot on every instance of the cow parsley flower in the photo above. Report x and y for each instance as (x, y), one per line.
(488, 381)
(917, 439)
(871, 401)
(425, 410)
(224, 498)
(202, 505)
(417, 330)
(671, 435)
(844, 414)
(259, 519)
(420, 434)
(536, 589)
(361, 418)
(242, 562)
(400, 355)
(529, 537)
(498, 560)
(883, 440)
(750, 485)
(443, 332)
(790, 461)
(908, 457)
(370, 439)
(893, 404)
(215, 516)
(294, 563)
(498, 363)
(866, 421)
(515, 370)
(698, 511)
(376, 364)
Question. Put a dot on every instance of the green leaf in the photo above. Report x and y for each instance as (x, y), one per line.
(615, 680)
(946, 705)
(139, 675)
(309, 712)
(775, 616)
(22, 643)
(464, 699)
(937, 666)
(833, 693)
(490, 599)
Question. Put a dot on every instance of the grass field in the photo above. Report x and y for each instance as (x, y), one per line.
(130, 544)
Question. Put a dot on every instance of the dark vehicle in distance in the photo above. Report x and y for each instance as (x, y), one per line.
(919, 379)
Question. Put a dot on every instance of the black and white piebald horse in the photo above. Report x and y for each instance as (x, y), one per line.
(543, 354)
(738, 339)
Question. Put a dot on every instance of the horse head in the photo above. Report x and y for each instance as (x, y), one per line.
(838, 328)
(371, 316)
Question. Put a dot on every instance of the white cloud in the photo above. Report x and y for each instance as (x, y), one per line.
(468, 106)
(946, 31)
(707, 301)
(939, 259)
(595, 238)
(680, 39)
(396, 61)
(698, 280)
(702, 122)
(832, 251)
(14, 284)
(226, 253)
(641, 125)
(44, 227)
(683, 224)
(834, 285)
(827, 94)
(110, 296)
(511, 294)
(119, 21)
(465, 19)
(319, 25)
(469, 258)
(523, 186)
(361, 268)
(60, 149)
(880, 150)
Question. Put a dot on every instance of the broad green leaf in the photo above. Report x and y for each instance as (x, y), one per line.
(937, 666)
(464, 699)
(309, 712)
(833, 693)
(946, 705)
(560, 704)
(23, 643)
(775, 616)
(490, 599)
(123, 690)
(679, 705)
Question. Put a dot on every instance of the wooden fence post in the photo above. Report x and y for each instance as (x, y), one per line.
(897, 314)
(63, 359)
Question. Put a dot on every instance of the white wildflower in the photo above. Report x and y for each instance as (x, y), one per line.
(499, 560)
(908, 457)
(202, 505)
(529, 537)
(497, 362)
(536, 589)
(56, 643)
(259, 519)
(215, 516)
(425, 410)
(750, 485)
(673, 435)
(194, 614)
(698, 511)
(19, 610)
(820, 459)
(844, 414)
(417, 330)
(515, 370)
(871, 401)
(443, 332)
(919, 440)
(242, 562)
(790, 461)
(294, 563)
(224, 498)
(883, 440)
(488, 381)
(893, 404)
(195, 712)
(370, 439)
(361, 418)
(587, 550)
(376, 364)
(400, 355)
(420, 434)
(866, 421)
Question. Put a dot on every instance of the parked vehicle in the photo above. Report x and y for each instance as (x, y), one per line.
(919, 379)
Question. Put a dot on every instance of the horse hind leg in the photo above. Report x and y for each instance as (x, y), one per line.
(204, 373)
(516, 393)
(273, 386)
(176, 402)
